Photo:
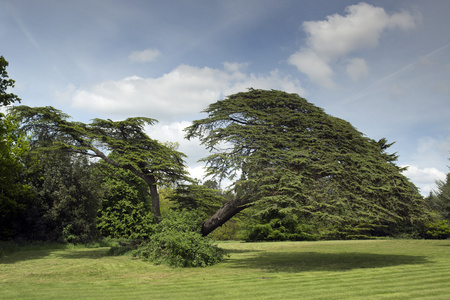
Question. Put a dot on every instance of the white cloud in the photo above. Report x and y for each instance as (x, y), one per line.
(197, 172)
(357, 69)
(424, 178)
(147, 55)
(234, 67)
(317, 69)
(174, 132)
(186, 90)
(338, 36)
(430, 151)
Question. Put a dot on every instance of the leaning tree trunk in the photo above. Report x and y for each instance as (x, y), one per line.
(223, 214)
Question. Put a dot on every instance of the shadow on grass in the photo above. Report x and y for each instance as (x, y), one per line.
(294, 262)
(18, 256)
(94, 253)
(232, 251)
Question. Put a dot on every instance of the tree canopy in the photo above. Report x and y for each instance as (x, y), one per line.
(5, 83)
(285, 153)
(134, 150)
(13, 145)
(285, 157)
(439, 200)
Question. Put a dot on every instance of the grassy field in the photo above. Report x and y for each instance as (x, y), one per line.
(377, 269)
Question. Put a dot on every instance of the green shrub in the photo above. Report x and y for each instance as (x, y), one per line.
(277, 227)
(438, 230)
(177, 242)
(125, 211)
(229, 231)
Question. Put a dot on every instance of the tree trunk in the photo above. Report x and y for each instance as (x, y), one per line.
(151, 182)
(223, 214)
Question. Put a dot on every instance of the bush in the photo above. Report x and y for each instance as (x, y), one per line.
(438, 230)
(277, 227)
(177, 242)
(230, 231)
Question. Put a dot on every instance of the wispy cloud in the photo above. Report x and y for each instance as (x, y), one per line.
(388, 79)
(22, 26)
(144, 56)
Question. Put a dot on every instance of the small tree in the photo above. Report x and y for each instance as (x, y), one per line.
(125, 210)
(443, 197)
(439, 199)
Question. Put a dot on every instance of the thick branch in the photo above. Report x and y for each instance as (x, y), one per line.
(223, 214)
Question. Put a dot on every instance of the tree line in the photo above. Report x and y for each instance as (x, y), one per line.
(297, 173)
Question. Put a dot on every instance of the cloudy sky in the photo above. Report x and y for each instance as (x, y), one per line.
(384, 66)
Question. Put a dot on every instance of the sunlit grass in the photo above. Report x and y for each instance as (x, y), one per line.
(381, 269)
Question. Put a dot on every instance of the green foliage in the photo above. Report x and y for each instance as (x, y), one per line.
(197, 197)
(166, 193)
(350, 231)
(289, 155)
(5, 83)
(230, 231)
(14, 190)
(273, 225)
(66, 200)
(439, 200)
(125, 210)
(437, 230)
(135, 151)
(177, 242)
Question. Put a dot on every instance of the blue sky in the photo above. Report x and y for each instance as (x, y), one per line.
(384, 66)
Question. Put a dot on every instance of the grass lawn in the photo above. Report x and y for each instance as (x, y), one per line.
(375, 269)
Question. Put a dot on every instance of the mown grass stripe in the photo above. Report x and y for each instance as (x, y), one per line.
(287, 270)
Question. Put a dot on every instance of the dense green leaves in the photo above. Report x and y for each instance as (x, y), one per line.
(439, 202)
(66, 201)
(14, 190)
(125, 210)
(177, 242)
(13, 145)
(199, 198)
(5, 83)
(274, 225)
(291, 156)
(440, 199)
(144, 157)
